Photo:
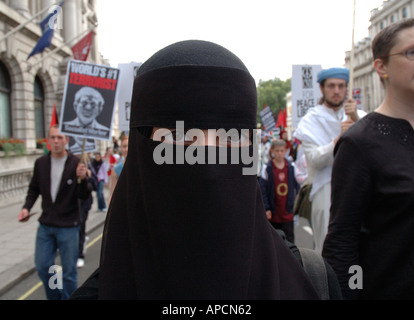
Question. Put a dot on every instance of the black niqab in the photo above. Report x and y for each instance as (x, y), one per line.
(198, 231)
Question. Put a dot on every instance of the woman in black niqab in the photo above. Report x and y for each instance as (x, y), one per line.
(182, 231)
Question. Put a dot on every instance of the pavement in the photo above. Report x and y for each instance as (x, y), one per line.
(17, 240)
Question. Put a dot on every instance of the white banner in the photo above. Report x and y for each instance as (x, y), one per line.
(305, 90)
(128, 73)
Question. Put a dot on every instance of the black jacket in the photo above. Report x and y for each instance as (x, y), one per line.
(64, 212)
(267, 185)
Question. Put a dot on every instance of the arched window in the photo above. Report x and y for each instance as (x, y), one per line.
(5, 91)
(39, 99)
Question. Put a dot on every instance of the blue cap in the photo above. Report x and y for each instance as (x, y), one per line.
(336, 73)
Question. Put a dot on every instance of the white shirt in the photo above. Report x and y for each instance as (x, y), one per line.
(317, 131)
(56, 172)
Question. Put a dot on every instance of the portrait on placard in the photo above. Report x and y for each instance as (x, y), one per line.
(89, 100)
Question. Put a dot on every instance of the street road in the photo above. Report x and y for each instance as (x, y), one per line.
(31, 288)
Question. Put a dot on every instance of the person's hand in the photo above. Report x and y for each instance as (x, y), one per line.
(351, 109)
(81, 171)
(23, 215)
(269, 214)
(346, 125)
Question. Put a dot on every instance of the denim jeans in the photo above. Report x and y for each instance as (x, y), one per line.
(100, 195)
(48, 241)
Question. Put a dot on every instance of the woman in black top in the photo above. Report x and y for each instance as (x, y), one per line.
(193, 231)
(372, 213)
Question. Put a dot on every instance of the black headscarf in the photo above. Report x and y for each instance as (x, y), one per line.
(198, 231)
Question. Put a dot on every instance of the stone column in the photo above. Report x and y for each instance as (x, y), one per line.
(21, 6)
(47, 4)
(70, 21)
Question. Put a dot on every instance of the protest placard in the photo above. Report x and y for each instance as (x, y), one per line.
(89, 99)
(268, 119)
(76, 144)
(126, 84)
(305, 90)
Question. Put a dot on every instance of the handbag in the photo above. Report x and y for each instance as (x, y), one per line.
(303, 206)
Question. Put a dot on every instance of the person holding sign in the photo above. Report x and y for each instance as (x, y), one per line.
(55, 178)
(319, 131)
(372, 222)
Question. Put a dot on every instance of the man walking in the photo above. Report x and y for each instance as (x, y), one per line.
(60, 179)
(318, 131)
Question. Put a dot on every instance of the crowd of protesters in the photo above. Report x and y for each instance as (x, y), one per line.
(181, 230)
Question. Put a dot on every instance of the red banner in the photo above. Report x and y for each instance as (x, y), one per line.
(82, 48)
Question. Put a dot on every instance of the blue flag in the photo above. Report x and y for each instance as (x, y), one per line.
(47, 33)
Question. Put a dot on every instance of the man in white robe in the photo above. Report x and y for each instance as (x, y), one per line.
(319, 130)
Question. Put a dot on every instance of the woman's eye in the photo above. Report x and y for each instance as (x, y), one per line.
(237, 138)
(410, 54)
(176, 136)
(234, 137)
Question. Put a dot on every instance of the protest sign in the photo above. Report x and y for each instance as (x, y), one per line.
(89, 99)
(126, 84)
(305, 90)
(357, 96)
(76, 144)
(267, 119)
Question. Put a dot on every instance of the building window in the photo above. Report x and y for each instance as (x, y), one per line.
(404, 12)
(382, 25)
(39, 108)
(5, 91)
(392, 19)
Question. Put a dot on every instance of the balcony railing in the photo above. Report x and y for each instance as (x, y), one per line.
(14, 185)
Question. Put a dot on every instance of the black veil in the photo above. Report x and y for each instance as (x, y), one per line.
(198, 231)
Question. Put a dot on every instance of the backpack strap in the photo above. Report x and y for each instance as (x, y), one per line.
(315, 268)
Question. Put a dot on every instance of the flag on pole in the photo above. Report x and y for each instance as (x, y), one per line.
(82, 48)
(282, 119)
(54, 117)
(53, 122)
(47, 34)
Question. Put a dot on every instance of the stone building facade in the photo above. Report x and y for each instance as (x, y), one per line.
(365, 76)
(30, 87)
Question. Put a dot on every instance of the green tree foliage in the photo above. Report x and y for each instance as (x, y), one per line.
(272, 93)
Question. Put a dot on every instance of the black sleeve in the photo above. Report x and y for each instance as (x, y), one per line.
(34, 188)
(335, 292)
(350, 197)
(89, 290)
(85, 189)
(264, 187)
